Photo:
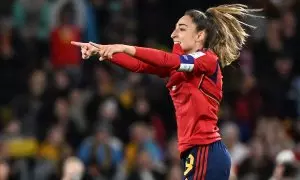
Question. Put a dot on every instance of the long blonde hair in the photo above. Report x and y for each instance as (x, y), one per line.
(225, 33)
(230, 36)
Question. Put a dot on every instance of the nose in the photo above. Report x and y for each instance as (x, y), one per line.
(174, 34)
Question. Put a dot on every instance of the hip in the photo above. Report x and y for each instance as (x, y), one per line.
(210, 161)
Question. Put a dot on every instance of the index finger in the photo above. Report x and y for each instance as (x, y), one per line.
(79, 44)
(95, 45)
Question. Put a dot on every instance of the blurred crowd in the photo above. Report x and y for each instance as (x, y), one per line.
(65, 118)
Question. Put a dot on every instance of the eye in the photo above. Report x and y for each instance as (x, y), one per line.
(182, 29)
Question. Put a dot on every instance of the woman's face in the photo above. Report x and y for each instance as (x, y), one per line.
(185, 33)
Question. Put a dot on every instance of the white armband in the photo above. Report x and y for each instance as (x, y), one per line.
(187, 61)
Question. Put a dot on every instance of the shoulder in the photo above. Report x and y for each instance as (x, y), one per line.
(192, 57)
(203, 61)
(204, 54)
(210, 54)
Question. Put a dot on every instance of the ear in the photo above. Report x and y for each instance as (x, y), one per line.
(200, 36)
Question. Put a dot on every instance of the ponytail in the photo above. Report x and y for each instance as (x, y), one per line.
(226, 35)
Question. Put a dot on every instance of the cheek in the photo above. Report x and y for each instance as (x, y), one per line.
(187, 43)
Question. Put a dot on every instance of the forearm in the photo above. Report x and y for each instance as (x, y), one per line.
(127, 62)
(154, 57)
(135, 65)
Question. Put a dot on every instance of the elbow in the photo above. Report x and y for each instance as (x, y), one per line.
(139, 69)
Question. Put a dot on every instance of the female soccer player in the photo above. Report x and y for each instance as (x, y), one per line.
(209, 41)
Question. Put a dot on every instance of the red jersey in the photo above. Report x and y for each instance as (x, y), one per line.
(195, 85)
(62, 52)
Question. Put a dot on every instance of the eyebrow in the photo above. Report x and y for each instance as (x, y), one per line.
(182, 25)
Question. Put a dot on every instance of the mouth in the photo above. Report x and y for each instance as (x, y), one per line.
(176, 42)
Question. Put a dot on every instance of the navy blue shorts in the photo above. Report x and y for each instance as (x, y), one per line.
(206, 162)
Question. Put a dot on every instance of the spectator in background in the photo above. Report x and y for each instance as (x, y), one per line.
(173, 161)
(109, 113)
(78, 12)
(276, 87)
(17, 145)
(77, 101)
(17, 149)
(55, 107)
(257, 165)
(144, 169)
(62, 118)
(122, 25)
(32, 19)
(174, 173)
(231, 137)
(27, 106)
(73, 168)
(51, 153)
(143, 112)
(288, 21)
(99, 154)
(103, 88)
(4, 170)
(276, 137)
(286, 166)
(291, 36)
(247, 107)
(61, 85)
(128, 91)
(141, 139)
(62, 54)
(267, 49)
(172, 157)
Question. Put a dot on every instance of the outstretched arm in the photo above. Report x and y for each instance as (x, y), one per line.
(198, 62)
(124, 60)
